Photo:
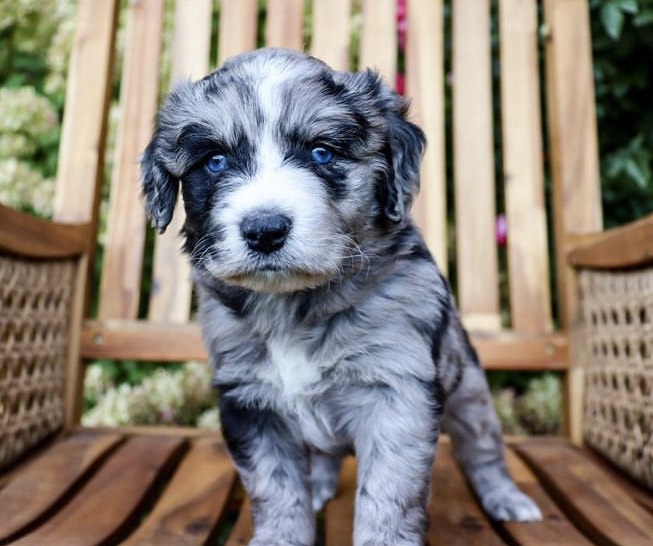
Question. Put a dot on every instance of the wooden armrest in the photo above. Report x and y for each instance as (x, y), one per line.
(619, 248)
(29, 237)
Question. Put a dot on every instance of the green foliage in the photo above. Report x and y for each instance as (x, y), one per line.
(622, 37)
(34, 43)
(529, 405)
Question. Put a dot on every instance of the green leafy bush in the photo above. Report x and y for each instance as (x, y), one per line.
(622, 38)
(537, 410)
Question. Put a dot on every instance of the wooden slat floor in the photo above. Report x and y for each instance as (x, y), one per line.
(104, 488)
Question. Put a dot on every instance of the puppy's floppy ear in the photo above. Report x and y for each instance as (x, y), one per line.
(404, 141)
(160, 188)
(405, 145)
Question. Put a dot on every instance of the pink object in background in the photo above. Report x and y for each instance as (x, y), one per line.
(501, 230)
(400, 82)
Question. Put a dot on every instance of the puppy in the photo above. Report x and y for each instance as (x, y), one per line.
(328, 324)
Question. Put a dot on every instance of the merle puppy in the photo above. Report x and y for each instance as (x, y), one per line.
(328, 324)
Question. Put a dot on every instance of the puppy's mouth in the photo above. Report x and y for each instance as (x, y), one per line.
(274, 279)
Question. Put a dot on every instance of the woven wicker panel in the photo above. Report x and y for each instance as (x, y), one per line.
(35, 301)
(618, 315)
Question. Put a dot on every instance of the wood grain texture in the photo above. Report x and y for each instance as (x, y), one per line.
(473, 147)
(339, 526)
(238, 26)
(120, 282)
(618, 248)
(455, 517)
(170, 299)
(285, 24)
(572, 135)
(190, 508)
(605, 512)
(554, 529)
(83, 133)
(140, 340)
(332, 32)
(30, 237)
(425, 89)
(378, 41)
(530, 295)
(101, 512)
(243, 529)
(45, 484)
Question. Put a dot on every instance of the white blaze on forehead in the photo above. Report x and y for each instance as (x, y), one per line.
(277, 75)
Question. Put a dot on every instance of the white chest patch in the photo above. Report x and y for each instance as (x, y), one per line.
(290, 368)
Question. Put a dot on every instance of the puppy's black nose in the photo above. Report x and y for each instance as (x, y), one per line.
(265, 232)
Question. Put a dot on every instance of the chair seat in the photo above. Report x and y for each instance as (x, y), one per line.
(113, 487)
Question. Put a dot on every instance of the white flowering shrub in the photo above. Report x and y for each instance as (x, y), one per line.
(35, 40)
(167, 397)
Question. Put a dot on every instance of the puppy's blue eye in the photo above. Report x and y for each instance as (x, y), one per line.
(321, 155)
(217, 163)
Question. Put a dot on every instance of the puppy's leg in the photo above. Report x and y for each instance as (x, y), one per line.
(470, 419)
(325, 473)
(395, 448)
(274, 468)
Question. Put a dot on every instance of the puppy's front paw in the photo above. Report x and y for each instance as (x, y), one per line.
(510, 504)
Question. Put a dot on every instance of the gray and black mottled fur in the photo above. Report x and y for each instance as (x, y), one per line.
(329, 326)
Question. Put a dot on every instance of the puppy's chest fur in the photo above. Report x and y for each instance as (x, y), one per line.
(316, 371)
(290, 370)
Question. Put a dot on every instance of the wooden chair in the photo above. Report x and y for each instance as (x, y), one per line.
(66, 485)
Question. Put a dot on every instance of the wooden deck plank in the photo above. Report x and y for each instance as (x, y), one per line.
(340, 511)
(599, 507)
(473, 156)
(243, 529)
(530, 298)
(193, 502)
(555, 529)
(455, 517)
(637, 491)
(48, 481)
(120, 283)
(102, 510)
(285, 24)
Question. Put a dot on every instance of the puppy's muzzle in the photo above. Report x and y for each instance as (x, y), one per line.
(265, 232)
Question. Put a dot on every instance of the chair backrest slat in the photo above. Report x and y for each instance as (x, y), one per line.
(378, 46)
(572, 134)
(238, 26)
(170, 298)
(331, 32)
(285, 24)
(81, 155)
(530, 298)
(425, 87)
(123, 257)
(473, 163)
